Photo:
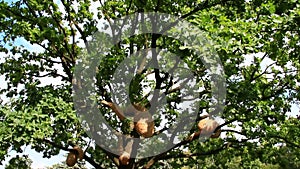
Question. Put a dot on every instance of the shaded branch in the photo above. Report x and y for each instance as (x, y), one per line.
(255, 70)
(72, 21)
(185, 155)
(286, 140)
(233, 131)
(115, 108)
(53, 74)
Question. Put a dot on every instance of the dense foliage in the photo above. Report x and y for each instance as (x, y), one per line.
(256, 131)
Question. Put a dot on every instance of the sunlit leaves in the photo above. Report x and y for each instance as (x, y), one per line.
(259, 92)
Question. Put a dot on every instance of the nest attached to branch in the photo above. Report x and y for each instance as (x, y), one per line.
(207, 128)
(74, 154)
(144, 124)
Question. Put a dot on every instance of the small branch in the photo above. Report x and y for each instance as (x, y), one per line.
(71, 21)
(224, 124)
(109, 21)
(233, 131)
(185, 155)
(157, 6)
(286, 140)
(257, 68)
(52, 75)
(158, 157)
(264, 72)
(115, 108)
(127, 10)
(199, 7)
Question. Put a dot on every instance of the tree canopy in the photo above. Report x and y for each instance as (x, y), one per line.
(258, 45)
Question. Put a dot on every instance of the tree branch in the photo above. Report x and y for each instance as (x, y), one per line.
(286, 140)
(88, 159)
(115, 108)
(185, 155)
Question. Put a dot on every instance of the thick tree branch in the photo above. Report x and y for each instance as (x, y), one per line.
(115, 108)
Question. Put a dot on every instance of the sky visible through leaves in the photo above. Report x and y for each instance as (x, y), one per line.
(36, 157)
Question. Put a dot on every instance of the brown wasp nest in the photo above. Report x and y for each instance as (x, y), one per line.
(79, 152)
(71, 159)
(144, 124)
(73, 155)
(124, 158)
(208, 126)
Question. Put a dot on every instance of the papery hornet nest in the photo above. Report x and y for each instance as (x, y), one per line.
(208, 126)
(74, 154)
(124, 158)
(144, 124)
(71, 159)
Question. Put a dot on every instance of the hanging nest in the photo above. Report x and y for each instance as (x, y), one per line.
(73, 156)
(144, 124)
(71, 159)
(124, 158)
(80, 153)
(208, 126)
